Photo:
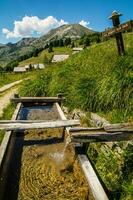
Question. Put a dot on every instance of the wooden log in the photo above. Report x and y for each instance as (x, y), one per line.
(40, 125)
(62, 116)
(98, 120)
(82, 129)
(37, 99)
(124, 127)
(23, 121)
(7, 136)
(95, 185)
(101, 137)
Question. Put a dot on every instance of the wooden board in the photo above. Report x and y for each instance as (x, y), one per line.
(82, 129)
(23, 121)
(120, 127)
(95, 185)
(17, 126)
(37, 99)
(96, 136)
(124, 127)
(119, 29)
(6, 139)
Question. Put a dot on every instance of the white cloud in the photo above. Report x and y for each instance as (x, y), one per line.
(32, 25)
(84, 23)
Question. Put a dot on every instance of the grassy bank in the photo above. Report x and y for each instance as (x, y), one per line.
(6, 78)
(95, 80)
(114, 165)
(7, 115)
(41, 58)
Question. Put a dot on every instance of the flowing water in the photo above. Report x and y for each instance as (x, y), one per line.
(44, 167)
(50, 170)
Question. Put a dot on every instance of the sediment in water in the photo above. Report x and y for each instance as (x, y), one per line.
(41, 168)
(47, 173)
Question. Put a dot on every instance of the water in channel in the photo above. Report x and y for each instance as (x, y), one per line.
(44, 167)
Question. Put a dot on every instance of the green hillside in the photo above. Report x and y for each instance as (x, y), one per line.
(41, 58)
(95, 80)
(9, 78)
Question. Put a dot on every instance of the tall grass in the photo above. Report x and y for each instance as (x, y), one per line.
(7, 114)
(96, 79)
(6, 78)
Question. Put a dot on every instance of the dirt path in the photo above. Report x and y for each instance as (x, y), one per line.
(10, 85)
(5, 99)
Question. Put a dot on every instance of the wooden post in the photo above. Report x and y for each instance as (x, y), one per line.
(60, 96)
(16, 95)
(119, 39)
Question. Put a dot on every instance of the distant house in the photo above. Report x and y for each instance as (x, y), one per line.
(77, 49)
(19, 69)
(27, 67)
(38, 66)
(59, 58)
(41, 66)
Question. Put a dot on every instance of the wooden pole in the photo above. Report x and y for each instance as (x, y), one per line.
(119, 39)
(120, 44)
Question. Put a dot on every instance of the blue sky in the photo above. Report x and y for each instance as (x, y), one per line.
(33, 19)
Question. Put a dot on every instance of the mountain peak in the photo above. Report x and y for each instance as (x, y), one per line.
(68, 30)
(71, 30)
(26, 45)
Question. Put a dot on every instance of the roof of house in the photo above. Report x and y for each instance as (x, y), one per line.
(19, 69)
(59, 58)
(39, 65)
(27, 66)
(77, 49)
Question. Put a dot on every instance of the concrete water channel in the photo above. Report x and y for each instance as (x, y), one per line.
(37, 164)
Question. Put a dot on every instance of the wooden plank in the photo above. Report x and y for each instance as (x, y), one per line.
(100, 137)
(6, 139)
(119, 29)
(124, 127)
(62, 116)
(37, 99)
(82, 129)
(23, 121)
(40, 125)
(120, 127)
(95, 185)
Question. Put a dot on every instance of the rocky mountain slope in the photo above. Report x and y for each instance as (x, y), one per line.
(12, 52)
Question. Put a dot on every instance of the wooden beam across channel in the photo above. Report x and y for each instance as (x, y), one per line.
(37, 99)
(24, 125)
(95, 136)
(108, 133)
